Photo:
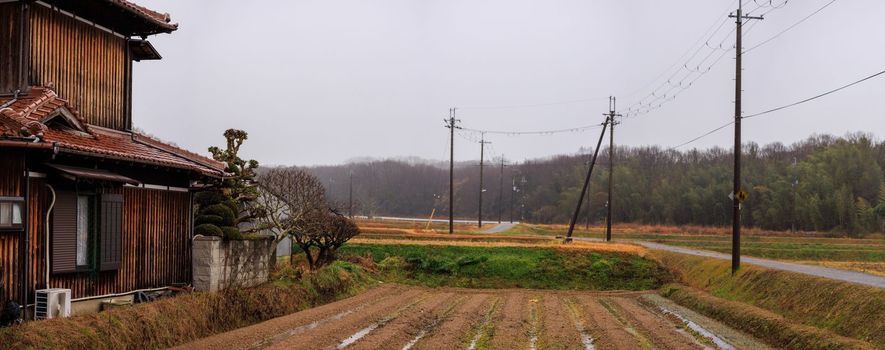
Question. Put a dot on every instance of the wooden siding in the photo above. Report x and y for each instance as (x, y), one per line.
(11, 170)
(10, 47)
(86, 65)
(156, 250)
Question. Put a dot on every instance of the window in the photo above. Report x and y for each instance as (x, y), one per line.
(11, 209)
(87, 232)
(84, 226)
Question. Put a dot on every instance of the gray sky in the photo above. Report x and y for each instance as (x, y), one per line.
(324, 81)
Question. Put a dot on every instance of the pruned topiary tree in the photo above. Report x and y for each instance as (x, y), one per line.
(229, 209)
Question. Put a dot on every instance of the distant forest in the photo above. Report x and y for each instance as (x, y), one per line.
(823, 183)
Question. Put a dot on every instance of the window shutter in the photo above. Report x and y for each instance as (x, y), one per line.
(64, 232)
(111, 231)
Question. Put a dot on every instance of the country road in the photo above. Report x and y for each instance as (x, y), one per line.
(819, 271)
(504, 226)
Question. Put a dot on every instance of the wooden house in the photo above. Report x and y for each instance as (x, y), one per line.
(86, 203)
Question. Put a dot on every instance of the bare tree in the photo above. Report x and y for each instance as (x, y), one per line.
(288, 195)
(320, 233)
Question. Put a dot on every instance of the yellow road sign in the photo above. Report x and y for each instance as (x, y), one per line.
(742, 196)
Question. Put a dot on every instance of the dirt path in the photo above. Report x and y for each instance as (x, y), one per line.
(403, 317)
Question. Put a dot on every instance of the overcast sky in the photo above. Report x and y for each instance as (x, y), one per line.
(325, 81)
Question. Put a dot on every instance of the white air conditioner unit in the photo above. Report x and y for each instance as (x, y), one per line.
(52, 303)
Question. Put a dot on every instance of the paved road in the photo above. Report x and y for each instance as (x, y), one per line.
(504, 226)
(819, 271)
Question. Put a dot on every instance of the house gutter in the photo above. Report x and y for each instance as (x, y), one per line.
(48, 213)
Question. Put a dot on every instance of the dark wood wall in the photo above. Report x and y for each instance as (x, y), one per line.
(156, 245)
(87, 65)
(156, 249)
(10, 48)
(12, 165)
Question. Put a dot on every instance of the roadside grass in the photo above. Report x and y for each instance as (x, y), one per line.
(185, 318)
(510, 267)
(846, 309)
(774, 329)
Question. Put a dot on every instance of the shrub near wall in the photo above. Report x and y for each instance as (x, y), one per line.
(847, 309)
(189, 317)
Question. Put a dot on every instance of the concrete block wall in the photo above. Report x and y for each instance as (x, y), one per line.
(220, 264)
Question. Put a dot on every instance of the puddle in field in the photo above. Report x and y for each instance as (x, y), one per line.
(534, 317)
(415, 341)
(302, 329)
(722, 344)
(357, 336)
(586, 339)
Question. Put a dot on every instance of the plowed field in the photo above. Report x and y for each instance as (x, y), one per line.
(405, 317)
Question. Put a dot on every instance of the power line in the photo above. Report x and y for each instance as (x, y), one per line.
(816, 97)
(708, 133)
(790, 27)
(536, 132)
(592, 99)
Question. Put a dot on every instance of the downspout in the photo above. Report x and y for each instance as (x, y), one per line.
(26, 239)
(46, 243)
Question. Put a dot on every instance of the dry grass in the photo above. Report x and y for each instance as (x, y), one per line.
(871, 267)
(588, 246)
(847, 309)
(761, 323)
(185, 318)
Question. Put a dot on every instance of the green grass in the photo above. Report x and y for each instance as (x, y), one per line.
(510, 267)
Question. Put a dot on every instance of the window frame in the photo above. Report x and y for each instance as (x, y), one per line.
(15, 202)
(91, 232)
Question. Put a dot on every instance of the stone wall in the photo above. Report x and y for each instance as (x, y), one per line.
(220, 264)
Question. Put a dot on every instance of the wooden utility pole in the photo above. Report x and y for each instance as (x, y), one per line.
(571, 226)
(450, 123)
(611, 164)
(350, 200)
(501, 191)
(482, 147)
(737, 195)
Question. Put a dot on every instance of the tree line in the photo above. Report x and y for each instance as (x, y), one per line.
(822, 183)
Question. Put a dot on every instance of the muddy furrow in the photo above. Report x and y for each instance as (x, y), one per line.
(459, 329)
(607, 331)
(404, 328)
(330, 334)
(268, 332)
(557, 326)
(662, 332)
(512, 328)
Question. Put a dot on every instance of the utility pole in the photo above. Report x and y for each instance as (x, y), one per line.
(501, 191)
(512, 191)
(482, 147)
(611, 164)
(350, 206)
(571, 226)
(450, 123)
(793, 199)
(736, 190)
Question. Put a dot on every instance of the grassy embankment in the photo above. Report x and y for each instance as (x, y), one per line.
(184, 318)
(510, 267)
(786, 309)
(859, 254)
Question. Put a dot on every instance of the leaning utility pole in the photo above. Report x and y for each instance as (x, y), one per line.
(450, 123)
(738, 196)
(482, 147)
(571, 226)
(611, 164)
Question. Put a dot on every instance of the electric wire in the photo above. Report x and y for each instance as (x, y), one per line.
(708, 133)
(789, 28)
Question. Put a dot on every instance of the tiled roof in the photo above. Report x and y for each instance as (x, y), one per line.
(161, 19)
(25, 119)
